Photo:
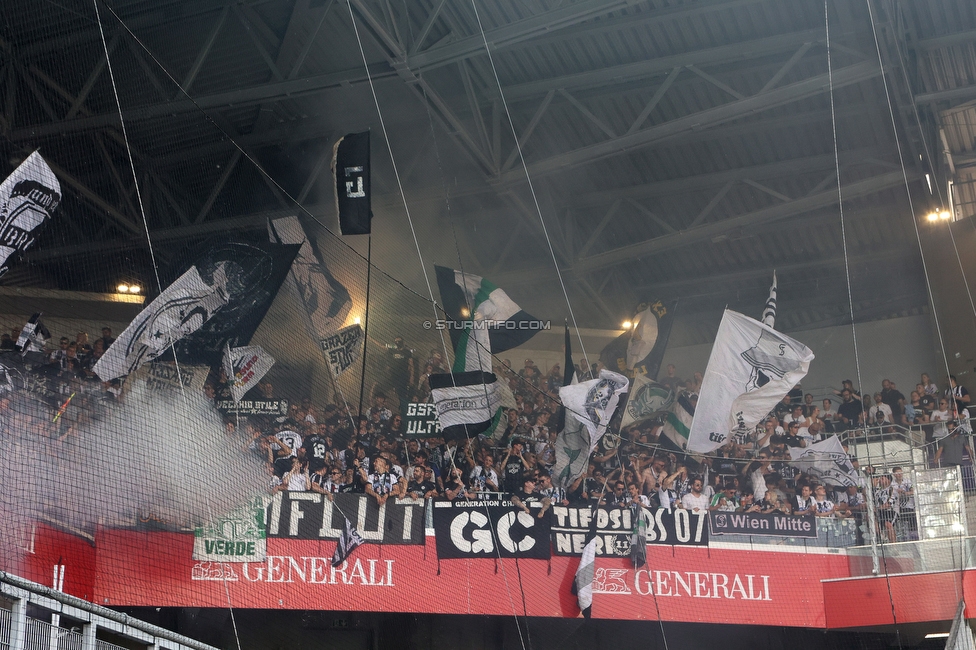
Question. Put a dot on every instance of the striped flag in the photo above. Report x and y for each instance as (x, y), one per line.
(470, 400)
(677, 422)
(769, 313)
(348, 541)
(582, 586)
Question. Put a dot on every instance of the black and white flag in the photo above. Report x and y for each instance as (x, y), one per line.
(326, 301)
(244, 367)
(28, 197)
(825, 460)
(34, 335)
(582, 586)
(342, 348)
(348, 541)
(350, 166)
(750, 369)
(769, 312)
(589, 407)
(181, 309)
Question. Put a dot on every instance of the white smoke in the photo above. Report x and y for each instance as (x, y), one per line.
(159, 457)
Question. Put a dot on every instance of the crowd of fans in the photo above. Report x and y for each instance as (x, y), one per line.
(329, 449)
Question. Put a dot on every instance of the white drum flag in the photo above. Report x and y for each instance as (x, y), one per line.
(181, 309)
(244, 367)
(751, 368)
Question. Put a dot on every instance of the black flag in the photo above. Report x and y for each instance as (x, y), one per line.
(350, 165)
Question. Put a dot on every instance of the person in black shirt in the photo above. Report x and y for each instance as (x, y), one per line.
(401, 367)
(418, 488)
(513, 466)
(849, 411)
(316, 449)
(528, 495)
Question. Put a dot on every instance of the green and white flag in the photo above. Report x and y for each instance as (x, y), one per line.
(677, 422)
(646, 398)
(470, 400)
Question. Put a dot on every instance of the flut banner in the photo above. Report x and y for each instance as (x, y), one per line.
(310, 515)
(490, 529)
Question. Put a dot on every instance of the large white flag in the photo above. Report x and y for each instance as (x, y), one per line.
(181, 309)
(752, 366)
(589, 407)
(28, 197)
(825, 460)
(244, 367)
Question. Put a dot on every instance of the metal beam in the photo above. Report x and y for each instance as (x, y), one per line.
(237, 98)
(662, 65)
(960, 92)
(696, 121)
(759, 217)
(512, 33)
(780, 169)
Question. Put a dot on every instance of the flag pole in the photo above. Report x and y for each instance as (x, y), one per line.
(362, 379)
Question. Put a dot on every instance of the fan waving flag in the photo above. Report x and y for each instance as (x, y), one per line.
(470, 297)
(641, 348)
(751, 368)
(589, 407)
(582, 586)
(28, 197)
(181, 309)
(350, 166)
(825, 460)
(470, 399)
(245, 367)
(34, 335)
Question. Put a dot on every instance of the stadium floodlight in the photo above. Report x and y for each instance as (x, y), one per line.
(122, 288)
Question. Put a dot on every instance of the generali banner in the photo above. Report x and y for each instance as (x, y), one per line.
(125, 568)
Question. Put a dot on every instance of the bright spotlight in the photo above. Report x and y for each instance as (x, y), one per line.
(932, 216)
(465, 312)
(122, 288)
(627, 325)
(135, 288)
(944, 215)
(356, 320)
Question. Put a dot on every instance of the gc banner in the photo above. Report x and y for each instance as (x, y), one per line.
(741, 523)
(310, 515)
(490, 529)
(614, 527)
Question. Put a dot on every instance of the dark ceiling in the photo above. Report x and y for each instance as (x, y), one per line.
(675, 148)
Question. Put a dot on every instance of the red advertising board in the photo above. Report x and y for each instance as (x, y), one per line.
(682, 584)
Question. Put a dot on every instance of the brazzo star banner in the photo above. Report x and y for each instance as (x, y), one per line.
(342, 348)
(181, 309)
(28, 197)
(751, 368)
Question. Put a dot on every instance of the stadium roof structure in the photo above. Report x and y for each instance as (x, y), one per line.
(675, 148)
